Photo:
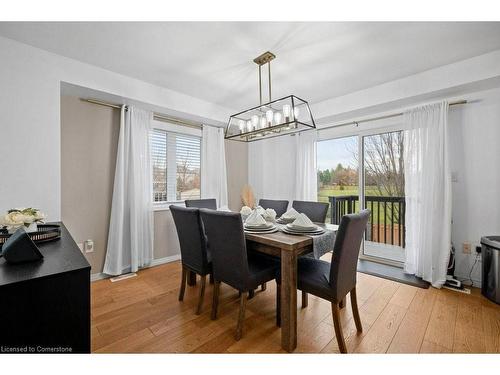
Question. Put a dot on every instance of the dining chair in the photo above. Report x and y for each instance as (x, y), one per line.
(195, 256)
(277, 205)
(335, 280)
(315, 211)
(232, 264)
(202, 203)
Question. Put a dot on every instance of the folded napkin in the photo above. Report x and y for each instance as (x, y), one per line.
(255, 219)
(290, 214)
(260, 210)
(303, 221)
(269, 214)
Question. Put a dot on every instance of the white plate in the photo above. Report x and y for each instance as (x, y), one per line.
(260, 229)
(258, 226)
(273, 230)
(301, 228)
(288, 231)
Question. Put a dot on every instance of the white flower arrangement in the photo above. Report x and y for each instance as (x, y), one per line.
(245, 210)
(19, 217)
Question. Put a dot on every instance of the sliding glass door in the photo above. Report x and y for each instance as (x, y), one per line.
(383, 193)
(380, 188)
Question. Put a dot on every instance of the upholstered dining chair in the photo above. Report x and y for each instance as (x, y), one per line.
(202, 203)
(334, 281)
(315, 211)
(232, 264)
(277, 205)
(195, 256)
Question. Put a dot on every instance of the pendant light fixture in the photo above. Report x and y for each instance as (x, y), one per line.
(287, 115)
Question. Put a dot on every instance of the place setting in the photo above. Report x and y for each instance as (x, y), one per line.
(256, 224)
(302, 225)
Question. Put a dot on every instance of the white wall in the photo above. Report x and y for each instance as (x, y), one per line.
(30, 81)
(475, 160)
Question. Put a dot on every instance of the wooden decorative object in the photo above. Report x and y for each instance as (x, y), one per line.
(247, 196)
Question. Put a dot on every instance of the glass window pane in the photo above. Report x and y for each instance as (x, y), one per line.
(188, 150)
(158, 146)
(337, 161)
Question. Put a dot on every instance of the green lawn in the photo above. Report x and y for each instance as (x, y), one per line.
(335, 191)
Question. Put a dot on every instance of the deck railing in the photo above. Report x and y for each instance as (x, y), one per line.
(387, 219)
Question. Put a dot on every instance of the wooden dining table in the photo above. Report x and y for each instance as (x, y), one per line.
(288, 247)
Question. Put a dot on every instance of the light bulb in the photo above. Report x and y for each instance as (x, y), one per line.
(262, 122)
(242, 126)
(255, 121)
(249, 126)
(277, 118)
(296, 112)
(269, 117)
(286, 112)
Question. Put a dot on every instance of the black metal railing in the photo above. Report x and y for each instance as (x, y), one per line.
(387, 219)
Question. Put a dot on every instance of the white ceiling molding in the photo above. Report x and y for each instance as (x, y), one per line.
(474, 74)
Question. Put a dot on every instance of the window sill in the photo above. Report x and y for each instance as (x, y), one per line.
(166, 205)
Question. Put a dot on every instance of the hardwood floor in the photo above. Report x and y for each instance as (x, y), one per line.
(143, 314)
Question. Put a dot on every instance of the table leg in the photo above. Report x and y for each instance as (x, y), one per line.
(191, 278)
(288, 300)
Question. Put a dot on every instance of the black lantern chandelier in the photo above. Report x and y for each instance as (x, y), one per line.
(275, 118)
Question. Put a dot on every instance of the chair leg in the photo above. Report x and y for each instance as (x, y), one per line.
(202, 294)
(338, 328)
(241, 316)
(342, 303)
(278, 305)
(251, 294)
(263, 287)
(215, 300)
(183, 283)
(355, 311)
(305, 300)
(211, 278)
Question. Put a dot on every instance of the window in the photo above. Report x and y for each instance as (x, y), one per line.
(175, 161)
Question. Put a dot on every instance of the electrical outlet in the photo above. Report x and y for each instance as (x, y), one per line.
(89, 246)
(467, 248)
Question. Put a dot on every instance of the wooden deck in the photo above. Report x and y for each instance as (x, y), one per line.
(142, 314)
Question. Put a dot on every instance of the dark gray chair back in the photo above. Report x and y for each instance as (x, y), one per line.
(192, 238)
(201, 203)
(346, 251)
(279, 206)
(315, 211)
(227, 246)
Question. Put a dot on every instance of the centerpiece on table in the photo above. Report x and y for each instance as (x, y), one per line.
(27, 218)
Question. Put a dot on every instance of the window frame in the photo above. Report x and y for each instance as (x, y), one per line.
(176, 129)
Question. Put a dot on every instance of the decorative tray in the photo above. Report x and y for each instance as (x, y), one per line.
(45, 233)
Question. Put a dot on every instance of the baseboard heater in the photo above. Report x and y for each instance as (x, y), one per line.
(123, 277)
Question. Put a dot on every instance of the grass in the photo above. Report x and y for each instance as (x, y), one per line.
(335, 191)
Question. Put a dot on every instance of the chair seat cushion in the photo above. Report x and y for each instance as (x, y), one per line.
(261, 269)
(313, 277)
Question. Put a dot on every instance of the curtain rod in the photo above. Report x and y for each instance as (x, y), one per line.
(156, 116)
(352, 122)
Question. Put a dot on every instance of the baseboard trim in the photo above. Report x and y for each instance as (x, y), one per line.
(154, 263)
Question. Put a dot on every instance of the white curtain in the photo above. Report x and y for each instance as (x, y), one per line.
(213, 166)
(428, 192)
(284, 167)
(306, 183)
(130, 237)
(271, 168)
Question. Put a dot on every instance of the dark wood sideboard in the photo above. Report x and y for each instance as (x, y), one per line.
(45, 305)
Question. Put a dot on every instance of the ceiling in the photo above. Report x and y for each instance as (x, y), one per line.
(213, 60)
